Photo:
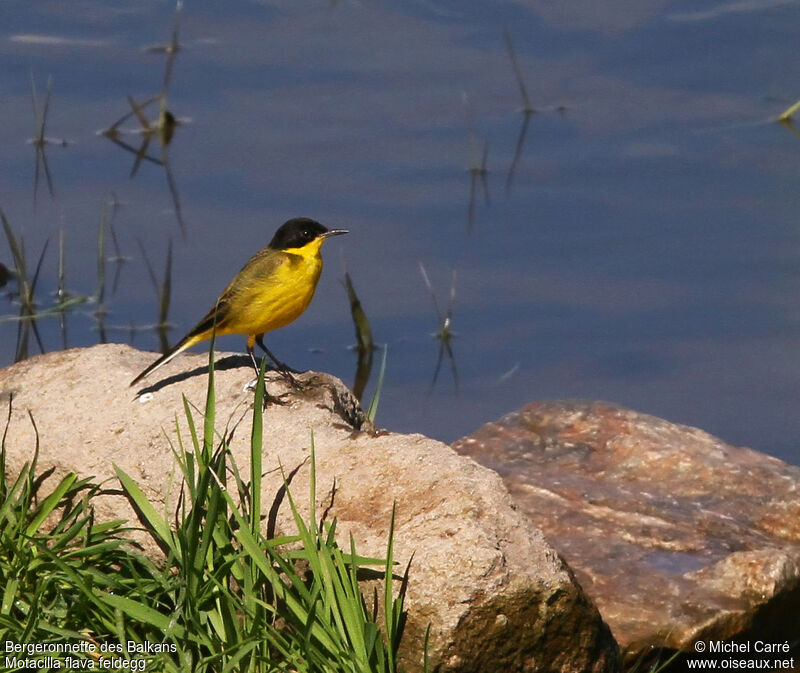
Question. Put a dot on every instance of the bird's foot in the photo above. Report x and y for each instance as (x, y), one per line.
(283, 368)
(268, 399)
(295, 383)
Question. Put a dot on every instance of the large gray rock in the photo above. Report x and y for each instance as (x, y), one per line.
(496, 594)
(677, 536)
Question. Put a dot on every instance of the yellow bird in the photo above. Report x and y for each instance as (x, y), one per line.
(270, 291)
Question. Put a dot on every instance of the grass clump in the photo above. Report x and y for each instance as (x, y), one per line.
(53, 557)
(227, 598)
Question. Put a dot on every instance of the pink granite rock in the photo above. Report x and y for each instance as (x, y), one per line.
(676, 535)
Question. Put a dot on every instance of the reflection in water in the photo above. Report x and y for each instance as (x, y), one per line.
(477, 169)
(118, 259)
(789, 125)
(526, 110)
(523, 130)
(108, 211)
(171, 48)
(65, 300)
(147, 130)
(61, 291)
(527, 106)
(786, 118)
(364, 343)
(5, 275)
(29, 312)
(162, 128)
(26, 291)
(101, 312)
(445, 333)
(163, 293)
(40, 140)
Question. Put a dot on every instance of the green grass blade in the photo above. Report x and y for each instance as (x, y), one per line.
(372, 411)
(165, 292)
(363, 330)
(50, 503)
(101, 256)
(390, 616)
(209, 417)
(136, 610)
(17, 253)
(788, 114)
(256, 447)
(9, 595)
(159, 527)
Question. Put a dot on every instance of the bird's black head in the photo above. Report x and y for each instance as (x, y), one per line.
(298, 232)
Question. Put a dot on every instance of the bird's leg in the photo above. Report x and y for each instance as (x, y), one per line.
(281, 366)
(253, 358)
(284, 370)
(268, 399)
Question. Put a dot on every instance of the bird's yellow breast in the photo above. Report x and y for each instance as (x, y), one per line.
(273, 289)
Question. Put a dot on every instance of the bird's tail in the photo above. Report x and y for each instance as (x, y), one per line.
(187, 342)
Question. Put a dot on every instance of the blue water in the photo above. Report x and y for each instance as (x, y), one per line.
(644, 252)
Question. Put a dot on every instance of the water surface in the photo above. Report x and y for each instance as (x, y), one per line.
(645, 250)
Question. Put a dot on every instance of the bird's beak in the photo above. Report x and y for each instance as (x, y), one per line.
(335, 232)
